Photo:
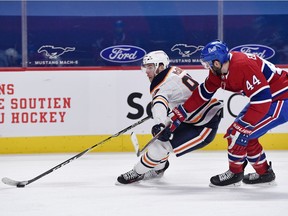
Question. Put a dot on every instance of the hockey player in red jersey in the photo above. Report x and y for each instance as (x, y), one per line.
(171, 86)
(267, 88)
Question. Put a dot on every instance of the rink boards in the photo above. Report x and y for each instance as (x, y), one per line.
(59, 144)
(61, 110)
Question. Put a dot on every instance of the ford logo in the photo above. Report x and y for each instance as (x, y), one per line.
(262, 51)
(123, 53)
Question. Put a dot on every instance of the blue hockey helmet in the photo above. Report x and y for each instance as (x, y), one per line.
(215, 50)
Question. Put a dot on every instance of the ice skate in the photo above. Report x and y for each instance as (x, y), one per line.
(255, 178)
(130, 177)
(227, 178)
(155, 174)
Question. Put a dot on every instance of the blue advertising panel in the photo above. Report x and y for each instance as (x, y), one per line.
(119, 33)
(10, 34)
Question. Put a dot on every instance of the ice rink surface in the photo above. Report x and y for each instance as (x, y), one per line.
(87, 187)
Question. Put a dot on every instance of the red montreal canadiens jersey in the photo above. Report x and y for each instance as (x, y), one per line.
(251, 75)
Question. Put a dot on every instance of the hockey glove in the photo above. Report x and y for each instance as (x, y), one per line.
(238, 135)
(179, 115)
(165, 135)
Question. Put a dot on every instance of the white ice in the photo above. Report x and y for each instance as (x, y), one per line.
(87, 187)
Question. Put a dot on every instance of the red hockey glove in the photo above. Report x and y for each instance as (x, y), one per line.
(238, 135)
(179, 115)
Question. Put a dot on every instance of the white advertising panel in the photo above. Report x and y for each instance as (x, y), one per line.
(65, 103)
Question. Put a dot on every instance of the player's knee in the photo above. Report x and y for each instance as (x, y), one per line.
(158, 150)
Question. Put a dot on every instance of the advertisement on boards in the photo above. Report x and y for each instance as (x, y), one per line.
(74, 103)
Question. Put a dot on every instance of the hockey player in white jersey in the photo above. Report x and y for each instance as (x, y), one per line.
(171, 86)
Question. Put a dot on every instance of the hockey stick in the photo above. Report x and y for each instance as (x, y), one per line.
(12, 182)
(135, 142)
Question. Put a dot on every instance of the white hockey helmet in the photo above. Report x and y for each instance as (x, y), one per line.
(156, 57)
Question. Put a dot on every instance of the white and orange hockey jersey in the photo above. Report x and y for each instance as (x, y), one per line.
(173, 87)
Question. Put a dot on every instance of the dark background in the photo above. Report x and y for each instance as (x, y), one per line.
(91, 26)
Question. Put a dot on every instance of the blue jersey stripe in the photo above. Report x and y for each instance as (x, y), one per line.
(268, 73)
(205, 94)
(263, 95)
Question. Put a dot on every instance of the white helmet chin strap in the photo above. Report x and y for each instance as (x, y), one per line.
(156, 69)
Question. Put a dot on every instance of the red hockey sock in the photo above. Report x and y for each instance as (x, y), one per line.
(256, 156)
(235, 168)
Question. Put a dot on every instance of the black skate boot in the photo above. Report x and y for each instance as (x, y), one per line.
(255, 178)
(130, 177)
(153, 174)
(228, 178)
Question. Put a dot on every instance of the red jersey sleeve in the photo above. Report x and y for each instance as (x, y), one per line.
(202, 93)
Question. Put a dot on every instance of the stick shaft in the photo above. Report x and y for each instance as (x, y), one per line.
(87, 150)
(140, 151)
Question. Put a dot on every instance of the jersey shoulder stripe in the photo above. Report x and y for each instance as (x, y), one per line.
(267, 72)
(160, 79)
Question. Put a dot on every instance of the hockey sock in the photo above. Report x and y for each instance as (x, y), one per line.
(236, 159)
(256, 156)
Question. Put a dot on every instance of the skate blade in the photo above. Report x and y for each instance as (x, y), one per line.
(133, 183)
(235, 185)
(156, 177)
(265, 184)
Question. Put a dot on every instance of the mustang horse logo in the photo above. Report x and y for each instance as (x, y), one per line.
(54, 52)
(186, 50)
